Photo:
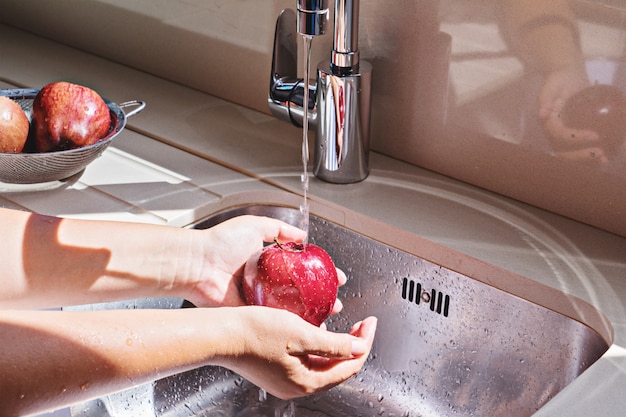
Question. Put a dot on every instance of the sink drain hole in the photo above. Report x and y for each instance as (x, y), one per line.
(436, 300)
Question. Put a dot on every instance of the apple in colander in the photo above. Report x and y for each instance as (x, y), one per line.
(68, 116)
(13, 126)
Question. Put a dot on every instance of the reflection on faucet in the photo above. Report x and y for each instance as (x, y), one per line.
(333, 160)
(339, 108)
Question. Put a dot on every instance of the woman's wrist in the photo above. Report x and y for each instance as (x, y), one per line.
(182, 263)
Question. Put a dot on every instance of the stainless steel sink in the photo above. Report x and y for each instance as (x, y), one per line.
(446, 345)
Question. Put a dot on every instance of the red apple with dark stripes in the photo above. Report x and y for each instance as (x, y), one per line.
(292, 276)
(67, 116)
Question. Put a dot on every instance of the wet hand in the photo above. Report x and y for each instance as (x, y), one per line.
(289, 357)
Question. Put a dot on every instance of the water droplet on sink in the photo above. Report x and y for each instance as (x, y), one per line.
(262, 395)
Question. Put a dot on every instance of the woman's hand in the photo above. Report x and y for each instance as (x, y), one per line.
(289, 357)
(228, 246)
(51, 359)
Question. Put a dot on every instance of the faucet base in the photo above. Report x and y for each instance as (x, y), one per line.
(342, 136)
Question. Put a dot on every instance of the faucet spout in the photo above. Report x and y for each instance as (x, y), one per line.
(312, 17)
(345, 53)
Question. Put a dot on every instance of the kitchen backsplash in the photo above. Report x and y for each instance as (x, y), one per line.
(478, 90)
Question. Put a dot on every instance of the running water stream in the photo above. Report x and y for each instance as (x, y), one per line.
(304, 208)
(288, 409)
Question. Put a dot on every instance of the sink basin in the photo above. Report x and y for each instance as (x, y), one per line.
(447, 344)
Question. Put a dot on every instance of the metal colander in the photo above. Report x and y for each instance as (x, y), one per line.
(34, 168)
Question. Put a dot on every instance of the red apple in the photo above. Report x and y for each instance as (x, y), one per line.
(67, 116)
(13, 126)
(301, 279)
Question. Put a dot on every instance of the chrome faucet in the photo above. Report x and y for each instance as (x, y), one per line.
(339, 102)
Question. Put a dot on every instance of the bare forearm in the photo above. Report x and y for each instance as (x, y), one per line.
(52, 262)
(58, 358)
(51, 359)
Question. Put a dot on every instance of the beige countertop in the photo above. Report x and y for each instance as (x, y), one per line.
(188, 155)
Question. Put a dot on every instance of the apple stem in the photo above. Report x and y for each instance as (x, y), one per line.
(278, 243)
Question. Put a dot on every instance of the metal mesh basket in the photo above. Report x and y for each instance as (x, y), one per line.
(34, 168)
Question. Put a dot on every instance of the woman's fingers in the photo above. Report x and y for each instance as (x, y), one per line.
(277, 229)
(338, 306)
(341, 276)
(338, 345)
